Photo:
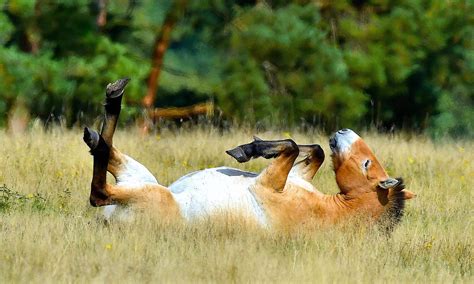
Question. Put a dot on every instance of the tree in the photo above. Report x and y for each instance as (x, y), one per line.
(282, 68)
(392, 64)
(161, 44)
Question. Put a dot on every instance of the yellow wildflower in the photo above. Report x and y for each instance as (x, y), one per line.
(287, 134)
(428, 245)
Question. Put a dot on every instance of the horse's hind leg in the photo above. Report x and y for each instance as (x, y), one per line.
(113, 105)
(100, 151)
(100, 144)
(308, 167)
(106, 194)
(125, 169)
(128, 171)
(274, 176)
(106, 157)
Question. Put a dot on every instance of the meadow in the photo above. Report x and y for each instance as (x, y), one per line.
(50, 233)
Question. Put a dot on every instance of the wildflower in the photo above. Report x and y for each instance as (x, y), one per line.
(428, 245)
(108, 246)
(287, 134)
(30, 195)
(411, 160)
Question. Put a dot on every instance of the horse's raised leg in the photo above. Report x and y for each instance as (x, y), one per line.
(274, 176)
(100, 145)
(126, 170)
(106, 194)
(101, 152)
(113, 105)
(308, 167)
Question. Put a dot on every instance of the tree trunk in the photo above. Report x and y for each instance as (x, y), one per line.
(206, 109)
(162, 42)
(32, 34)
(101, 20)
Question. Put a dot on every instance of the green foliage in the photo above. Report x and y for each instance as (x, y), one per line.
(281, 67)
(37, 79)
(74, 63)
(11, 200)
(406, 57)
(330, 63)
(6, 27)
(454, 74)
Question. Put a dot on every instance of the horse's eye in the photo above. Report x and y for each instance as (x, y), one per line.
(367, 164)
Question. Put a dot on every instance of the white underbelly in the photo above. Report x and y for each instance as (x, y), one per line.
(203, 194)
(133, 175)
(217, 191)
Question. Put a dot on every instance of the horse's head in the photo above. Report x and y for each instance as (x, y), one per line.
(357, 169)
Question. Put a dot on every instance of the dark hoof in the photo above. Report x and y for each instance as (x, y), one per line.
(238, 154)
(114, 93)
(318, 153)
(313, 151)
(91, 138)
(115, 90)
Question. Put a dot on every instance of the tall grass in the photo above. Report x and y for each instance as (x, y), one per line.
(48, 231)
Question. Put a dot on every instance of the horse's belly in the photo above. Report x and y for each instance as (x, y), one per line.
(217, 191)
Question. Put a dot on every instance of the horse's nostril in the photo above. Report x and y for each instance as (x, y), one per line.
(332, 143)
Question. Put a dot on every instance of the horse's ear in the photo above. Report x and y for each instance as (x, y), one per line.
(392, 183)
(396, 186)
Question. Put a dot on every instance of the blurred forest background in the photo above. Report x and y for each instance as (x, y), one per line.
(405, 64)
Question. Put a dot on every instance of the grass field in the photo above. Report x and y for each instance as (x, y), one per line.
(49, 233)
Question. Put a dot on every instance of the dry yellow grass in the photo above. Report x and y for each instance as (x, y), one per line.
(49, 233)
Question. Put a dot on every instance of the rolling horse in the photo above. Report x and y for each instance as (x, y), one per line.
(280, 196)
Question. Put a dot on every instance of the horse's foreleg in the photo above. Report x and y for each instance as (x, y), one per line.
(275, 175)
(308, 167)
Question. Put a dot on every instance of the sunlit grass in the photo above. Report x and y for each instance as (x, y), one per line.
(48, 231)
